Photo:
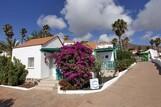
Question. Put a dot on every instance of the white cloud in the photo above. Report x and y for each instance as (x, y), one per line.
(150, 17)
(60, 34)
(105, 37)
(85, 16)
(84, 37)
(130, 32)
(51, 20)
(150, 35)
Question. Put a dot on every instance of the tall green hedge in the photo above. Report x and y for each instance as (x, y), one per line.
(124, 59)
(12, 73)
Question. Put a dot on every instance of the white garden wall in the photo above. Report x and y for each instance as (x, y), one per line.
(157, 60)
(153, 53)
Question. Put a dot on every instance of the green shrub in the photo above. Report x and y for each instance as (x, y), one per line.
(97, 69)
(12, 73)
(4, 62)
(124, 59)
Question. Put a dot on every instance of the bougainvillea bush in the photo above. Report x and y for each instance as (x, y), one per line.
(75, 63)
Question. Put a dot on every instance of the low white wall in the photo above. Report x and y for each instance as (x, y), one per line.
(17, 88)
(157, 60)
(153, 53)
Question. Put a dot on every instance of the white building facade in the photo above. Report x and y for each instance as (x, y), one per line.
(106, 53)
(31, 56)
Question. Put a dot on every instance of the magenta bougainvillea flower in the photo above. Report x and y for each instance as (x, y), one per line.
(75, 63)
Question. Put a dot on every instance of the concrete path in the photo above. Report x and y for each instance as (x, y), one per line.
(140, 87)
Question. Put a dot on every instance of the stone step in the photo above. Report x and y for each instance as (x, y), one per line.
(48, 79)
(47, 84)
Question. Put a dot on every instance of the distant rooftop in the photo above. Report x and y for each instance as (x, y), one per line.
(90, 44)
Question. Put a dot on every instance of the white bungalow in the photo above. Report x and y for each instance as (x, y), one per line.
(31, 56)
(106, 53)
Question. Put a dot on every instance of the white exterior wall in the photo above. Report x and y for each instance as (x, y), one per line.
(103, 54)
(105, 46)
(66, 43)
(53, 44)
(33, 51)
(45, 67)
(41, 69)
(49, 69)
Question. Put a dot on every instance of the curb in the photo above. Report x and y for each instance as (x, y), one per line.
(16, 87)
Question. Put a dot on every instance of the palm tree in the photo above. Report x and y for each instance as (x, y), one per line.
(152, 42)
(126, 42)
(157, 42)
(114, 42)
(40, 34)
(23, 34)
(45, 30)
(8, 45)
(119, 27)
(7, 28)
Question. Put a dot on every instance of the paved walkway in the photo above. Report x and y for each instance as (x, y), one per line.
(140, 87)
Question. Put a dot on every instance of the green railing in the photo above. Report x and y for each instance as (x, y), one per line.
(108, 65)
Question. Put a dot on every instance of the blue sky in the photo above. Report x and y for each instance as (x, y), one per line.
(26, 13)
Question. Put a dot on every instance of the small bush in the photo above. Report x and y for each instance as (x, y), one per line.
(65, 85)
(97, 69)
(124, 59)
(12, 73)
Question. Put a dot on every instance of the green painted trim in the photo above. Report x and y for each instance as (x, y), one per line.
(104, 49)
(50, 49)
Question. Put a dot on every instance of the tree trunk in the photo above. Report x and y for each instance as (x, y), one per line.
(120, 42)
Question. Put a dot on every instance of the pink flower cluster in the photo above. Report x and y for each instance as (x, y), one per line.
(75, 63)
